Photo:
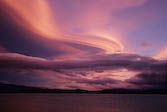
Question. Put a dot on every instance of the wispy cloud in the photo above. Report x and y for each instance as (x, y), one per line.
(91, 41)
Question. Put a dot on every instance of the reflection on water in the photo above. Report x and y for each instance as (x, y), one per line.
(82, 103)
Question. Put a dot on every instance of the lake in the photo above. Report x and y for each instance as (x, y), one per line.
(82, 103)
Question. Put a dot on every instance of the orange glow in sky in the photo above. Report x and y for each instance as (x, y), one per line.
(162, 55)
(37, 17)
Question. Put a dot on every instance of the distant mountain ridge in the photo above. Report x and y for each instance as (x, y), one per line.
(10, 88)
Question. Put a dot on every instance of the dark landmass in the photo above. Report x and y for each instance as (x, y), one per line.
(10, 88)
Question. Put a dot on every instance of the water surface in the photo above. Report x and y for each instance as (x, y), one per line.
(82, 103)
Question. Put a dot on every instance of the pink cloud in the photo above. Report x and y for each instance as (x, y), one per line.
(92, 16)
(162, 55)
(91, 73)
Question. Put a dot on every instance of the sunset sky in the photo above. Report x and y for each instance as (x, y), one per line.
(84, 44)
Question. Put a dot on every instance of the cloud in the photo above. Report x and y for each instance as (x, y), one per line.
(14, 61)
(97, 81)
(156, 80)
(99, 71)
(93, 18)
(74, 28)
(40, 18)
(145, 44)
(35, 16)
(96, 62)
(115, 61)
(162, 55)
(93, 12)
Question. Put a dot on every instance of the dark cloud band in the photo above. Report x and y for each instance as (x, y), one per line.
(152, 73)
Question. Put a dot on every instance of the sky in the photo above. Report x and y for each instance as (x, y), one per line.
(84, 44)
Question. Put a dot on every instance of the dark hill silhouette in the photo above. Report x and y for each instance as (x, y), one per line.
(10, 88)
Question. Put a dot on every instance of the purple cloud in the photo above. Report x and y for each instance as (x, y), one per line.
(149, 72)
